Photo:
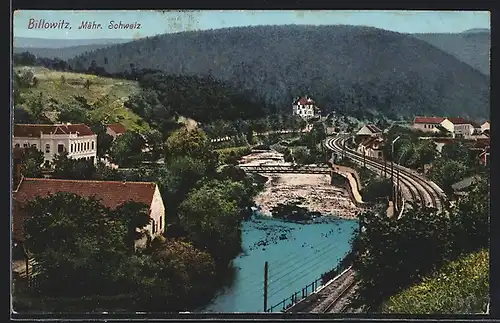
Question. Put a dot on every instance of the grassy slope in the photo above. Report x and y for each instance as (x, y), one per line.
(461, 286)
(110, 92)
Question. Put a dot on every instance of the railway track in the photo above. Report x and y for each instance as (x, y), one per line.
(416, 189)
(333, 297)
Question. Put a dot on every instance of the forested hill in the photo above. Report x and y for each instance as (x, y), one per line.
(471, 47)
(350, 68)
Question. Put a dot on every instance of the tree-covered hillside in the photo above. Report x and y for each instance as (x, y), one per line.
(357, 70)
(470, 47)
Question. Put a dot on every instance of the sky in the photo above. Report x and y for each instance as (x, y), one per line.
(155, 22)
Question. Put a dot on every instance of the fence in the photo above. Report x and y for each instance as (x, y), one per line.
(297, 296)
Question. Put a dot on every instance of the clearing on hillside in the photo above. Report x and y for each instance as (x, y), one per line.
(104, 96)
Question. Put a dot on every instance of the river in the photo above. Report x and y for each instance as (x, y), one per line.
(297, 255)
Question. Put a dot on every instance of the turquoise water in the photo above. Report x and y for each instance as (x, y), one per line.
(297, 255)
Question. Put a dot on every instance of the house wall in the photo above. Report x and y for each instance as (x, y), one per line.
(157, 213)
(78, 147)
(304, 111)
(485, 126)
(448, 125)
(427, 127)
(463, 129)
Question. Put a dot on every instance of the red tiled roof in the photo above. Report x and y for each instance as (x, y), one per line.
(428, 120)
(459, 121)
(111, 193)
(304, 101)
(117, 128)
(34, 130)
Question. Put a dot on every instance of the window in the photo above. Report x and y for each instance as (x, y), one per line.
(71, 147)
(33, 146)
(25, 145)
(161, 222)
(79, 146)
(17, 146)
(153, 226)
(92, 145)
(60, 148)
(47, 148)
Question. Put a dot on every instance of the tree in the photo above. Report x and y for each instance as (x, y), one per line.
(126, 150)
(154, 141)
(386, 251)
(212, 222)
(72, 114)
(69, 236)
(301, 155)
(69, 168)
(32, 163)
(470, 219)
(104, 140)
(191, 273)
(37, 109)
(135, 216)
(192, 143)
(446, 172)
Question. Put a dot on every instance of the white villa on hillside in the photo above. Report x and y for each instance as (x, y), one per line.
(51, 139)
(305, 107)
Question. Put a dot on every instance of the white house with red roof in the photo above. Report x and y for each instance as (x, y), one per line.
(462, 127)
(51, 139)
(305, 107)
(432, 124)
(456, 126)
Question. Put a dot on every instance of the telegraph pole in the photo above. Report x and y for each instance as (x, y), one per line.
(266, 267)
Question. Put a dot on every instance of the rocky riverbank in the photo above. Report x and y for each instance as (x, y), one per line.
(311, 191)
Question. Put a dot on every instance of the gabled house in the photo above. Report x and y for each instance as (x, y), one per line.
(115, 129)
(369, 130)
(111, 193)
(372, 147)
(462, 127)
(77, 140)
(432, 124)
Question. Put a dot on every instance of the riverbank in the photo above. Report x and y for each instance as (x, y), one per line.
(311, 191)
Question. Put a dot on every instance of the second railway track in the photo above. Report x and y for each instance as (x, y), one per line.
(418, 190)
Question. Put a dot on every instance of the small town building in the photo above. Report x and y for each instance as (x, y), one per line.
(369, 130)
(372, 147)
(111, 193)
(115, 129)
(432, 124)
(77, 140)
(305, 107)
(462, 127)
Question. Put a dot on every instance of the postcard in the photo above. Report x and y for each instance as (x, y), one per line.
(251, 162)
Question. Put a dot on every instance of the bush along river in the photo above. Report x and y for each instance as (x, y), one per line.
(298, 251)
